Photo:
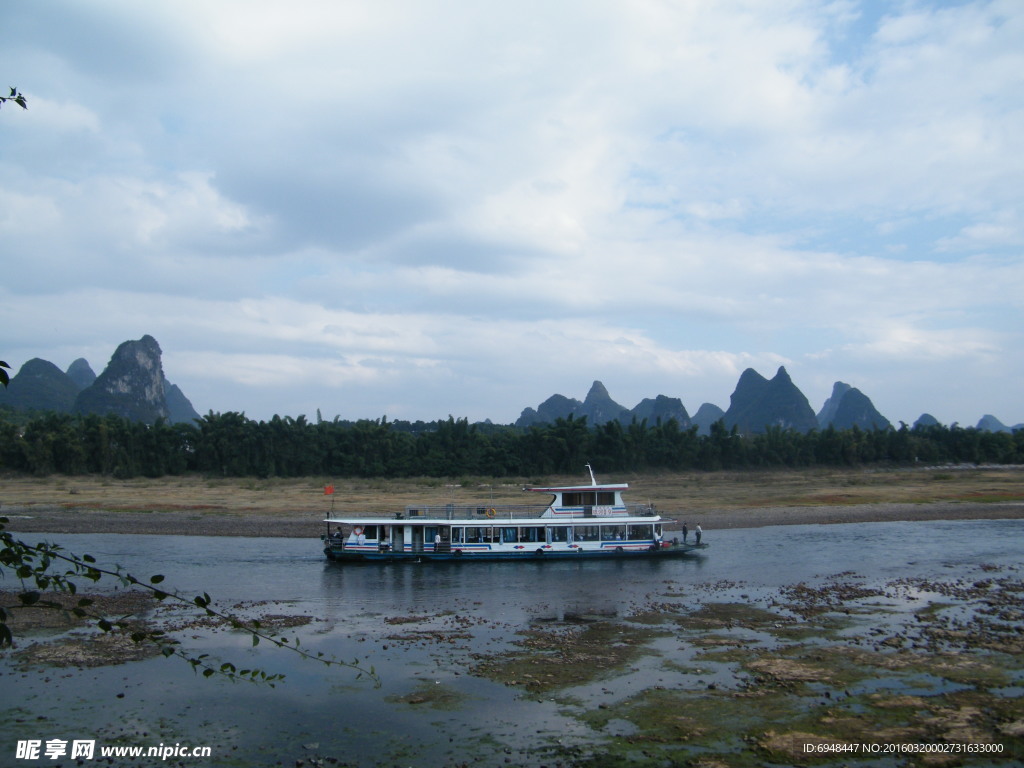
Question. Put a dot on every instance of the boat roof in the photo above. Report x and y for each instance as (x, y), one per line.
(562, 488)
(526, 521)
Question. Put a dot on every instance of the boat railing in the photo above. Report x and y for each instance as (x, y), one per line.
(519, 511)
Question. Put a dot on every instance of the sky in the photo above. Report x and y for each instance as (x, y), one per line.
(446, 207)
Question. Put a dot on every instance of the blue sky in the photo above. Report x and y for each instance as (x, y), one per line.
(446, 207)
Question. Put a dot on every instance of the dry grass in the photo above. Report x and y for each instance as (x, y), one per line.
(833, 487)
(693, 491)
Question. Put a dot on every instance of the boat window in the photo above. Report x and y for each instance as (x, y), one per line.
(509, 535)
(370, 532)
(458, 535)
(613, 532)
(578, 499)
(558, 533)
(605, 498)
(639, 532)
(587, 533)
(531, 534)
(486, 535)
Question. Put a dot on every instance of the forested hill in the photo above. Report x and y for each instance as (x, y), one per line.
(230, 444)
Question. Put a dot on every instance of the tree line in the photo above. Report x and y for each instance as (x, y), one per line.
(232, 445)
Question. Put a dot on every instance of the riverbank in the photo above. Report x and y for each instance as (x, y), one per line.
(197, 506)
(53, 519)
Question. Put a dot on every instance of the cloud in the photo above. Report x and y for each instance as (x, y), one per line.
(442, 206)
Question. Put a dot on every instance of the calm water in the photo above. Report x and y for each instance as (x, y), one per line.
(319, 711)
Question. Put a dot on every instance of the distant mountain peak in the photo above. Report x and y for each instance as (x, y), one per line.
(758, 403)
(599, 408)
(849, 407)
(828, 410)
(662, 408)
(990, 423)
(40, 386)
(133, 386)
(81, 373)
(706, 415)
(751, 377)
(598, 391)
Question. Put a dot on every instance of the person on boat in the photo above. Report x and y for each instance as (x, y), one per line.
(698, 531)
(685, 533)
(337, 535)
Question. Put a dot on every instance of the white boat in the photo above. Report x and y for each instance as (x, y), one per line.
(580, 521)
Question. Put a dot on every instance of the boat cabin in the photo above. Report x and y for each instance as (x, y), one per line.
(577, 520)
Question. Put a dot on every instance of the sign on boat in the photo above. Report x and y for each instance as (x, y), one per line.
(580, 521)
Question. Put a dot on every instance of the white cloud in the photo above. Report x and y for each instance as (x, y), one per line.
(442, 203)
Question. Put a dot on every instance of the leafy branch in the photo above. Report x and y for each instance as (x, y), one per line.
(38, 569)
(16, 97)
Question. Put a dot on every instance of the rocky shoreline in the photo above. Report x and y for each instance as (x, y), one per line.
(55, 519)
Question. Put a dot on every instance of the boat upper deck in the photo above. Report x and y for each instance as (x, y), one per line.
(599, 501)
(483, 512)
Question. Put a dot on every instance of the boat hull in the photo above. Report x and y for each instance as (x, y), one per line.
(341, 555)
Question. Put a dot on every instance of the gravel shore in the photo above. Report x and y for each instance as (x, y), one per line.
(58, 519)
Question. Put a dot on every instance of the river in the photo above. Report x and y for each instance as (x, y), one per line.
(423, 628)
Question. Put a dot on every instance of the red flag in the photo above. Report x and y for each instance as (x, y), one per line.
(328, 490)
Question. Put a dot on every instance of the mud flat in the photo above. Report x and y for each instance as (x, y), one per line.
(842, 673)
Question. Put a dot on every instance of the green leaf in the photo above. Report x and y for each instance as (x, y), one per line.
(29, 598)
(156, 579)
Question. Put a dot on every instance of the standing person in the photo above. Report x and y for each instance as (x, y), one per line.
(698, 532)
(685, 532)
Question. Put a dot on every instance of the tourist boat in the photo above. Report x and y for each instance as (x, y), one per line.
(580, 521)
